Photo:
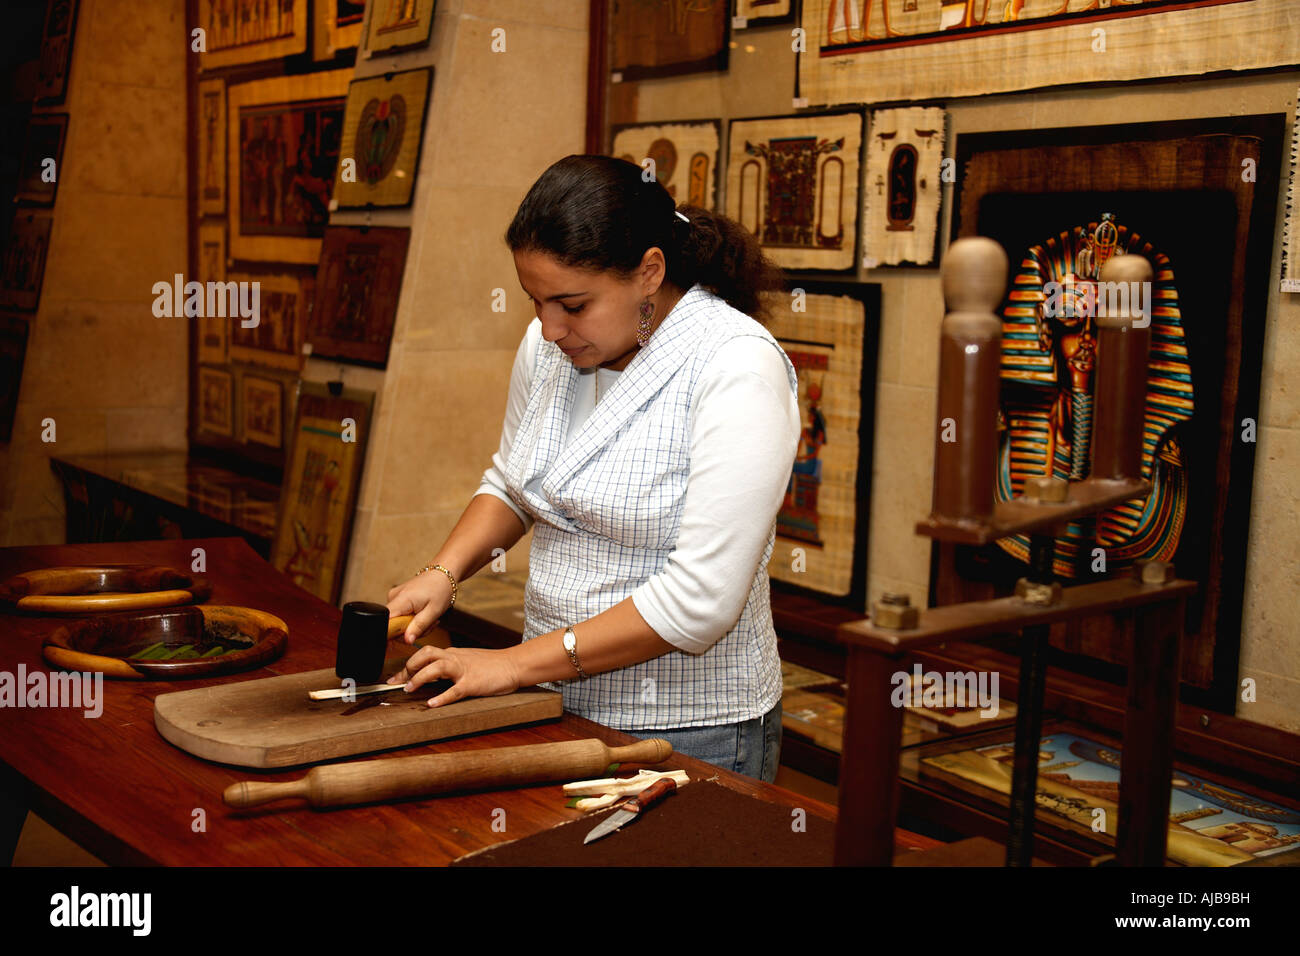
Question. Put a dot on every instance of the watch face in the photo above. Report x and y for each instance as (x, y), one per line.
(570, 640)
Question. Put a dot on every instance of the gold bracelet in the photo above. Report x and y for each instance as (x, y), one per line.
(450, 577)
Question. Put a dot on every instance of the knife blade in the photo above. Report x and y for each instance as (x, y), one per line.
(642, 801)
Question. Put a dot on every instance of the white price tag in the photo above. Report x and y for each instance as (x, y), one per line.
(1291, 285)
(616, 77)
(739, 23)
(800, 102)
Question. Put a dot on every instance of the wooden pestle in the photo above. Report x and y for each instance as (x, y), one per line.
(970, 361)
(375, 781)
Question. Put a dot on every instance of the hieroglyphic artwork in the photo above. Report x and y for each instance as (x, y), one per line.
(903, 188)
(213, 330)
(794, 182)
(1049, 352)
(22, 268)
(876, 50)
(357, 286)
(262, 410)
(212, 147)
(1209, 824)
(337, 26)
(216, 395)
(685, 157)
(276, 340)
(650, 38)
(319, 493)
(56, 51)
(245, 31)
(766, 13)
(821, 526)
(283, 150)
(396, 24)
(382, 130)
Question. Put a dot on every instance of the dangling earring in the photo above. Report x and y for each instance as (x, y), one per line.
(643, 323)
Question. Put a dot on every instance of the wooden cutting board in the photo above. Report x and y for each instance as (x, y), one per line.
(272, 723)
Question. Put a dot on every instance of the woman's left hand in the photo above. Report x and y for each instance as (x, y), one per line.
(475, 672)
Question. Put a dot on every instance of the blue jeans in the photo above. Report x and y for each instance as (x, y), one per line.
(751, 747)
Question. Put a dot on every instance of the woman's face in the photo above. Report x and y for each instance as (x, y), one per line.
(592, 316)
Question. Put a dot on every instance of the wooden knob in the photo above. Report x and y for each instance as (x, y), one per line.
(1126, 269)
(974, 275)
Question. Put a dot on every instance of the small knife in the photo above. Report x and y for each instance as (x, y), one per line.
(642, 801)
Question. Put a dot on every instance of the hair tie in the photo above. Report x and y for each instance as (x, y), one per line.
(681, 217)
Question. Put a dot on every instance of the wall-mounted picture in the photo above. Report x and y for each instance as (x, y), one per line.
(793, 180)
(56, 51)
(903, 189)
(321, 479)
(276, 340)
(213, 330)
(766, 13)
(212, 147)
(830, 335)
(396, 24)
(685, 155)
(248, 31)
(357, 286)
(337, 26)
(1210, 824)
(23, 266)
(283, 153)
(42, 160)
(13, 348)
(861, 51)
(216, 397)
(668, 39)
(261, 403)
(1062, 202)
(382, 130)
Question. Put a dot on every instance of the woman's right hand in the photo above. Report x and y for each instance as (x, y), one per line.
(426, 596)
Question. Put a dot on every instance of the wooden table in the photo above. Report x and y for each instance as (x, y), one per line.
(116, 787)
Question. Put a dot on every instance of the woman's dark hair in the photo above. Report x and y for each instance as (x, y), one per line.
(599, 213)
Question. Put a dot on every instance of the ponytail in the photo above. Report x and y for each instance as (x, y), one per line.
(598, 213)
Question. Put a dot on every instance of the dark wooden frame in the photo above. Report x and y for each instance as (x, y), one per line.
(1232, 497)
(54, 95)
(868, 293)
(381, 305)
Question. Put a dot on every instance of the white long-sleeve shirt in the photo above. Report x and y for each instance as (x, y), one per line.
(744, 434)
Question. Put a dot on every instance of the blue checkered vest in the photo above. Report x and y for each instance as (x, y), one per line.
(608, 507)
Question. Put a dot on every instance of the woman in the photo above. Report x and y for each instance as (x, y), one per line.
(648, 440)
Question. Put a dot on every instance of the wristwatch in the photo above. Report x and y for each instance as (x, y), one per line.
(571, 646)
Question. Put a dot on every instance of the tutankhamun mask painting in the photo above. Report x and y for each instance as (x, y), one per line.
(1048, 374)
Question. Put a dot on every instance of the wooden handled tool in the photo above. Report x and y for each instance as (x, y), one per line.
(374, 781)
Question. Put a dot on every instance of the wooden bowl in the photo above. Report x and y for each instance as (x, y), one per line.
(112, 587)
(173, 643)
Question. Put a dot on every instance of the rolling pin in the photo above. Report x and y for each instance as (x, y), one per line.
(375, 781)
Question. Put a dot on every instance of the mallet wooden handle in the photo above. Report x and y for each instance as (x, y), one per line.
(375, 781)
(397, 626)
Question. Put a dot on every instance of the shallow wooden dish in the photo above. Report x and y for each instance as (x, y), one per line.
(238, 638)
(110, 587)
